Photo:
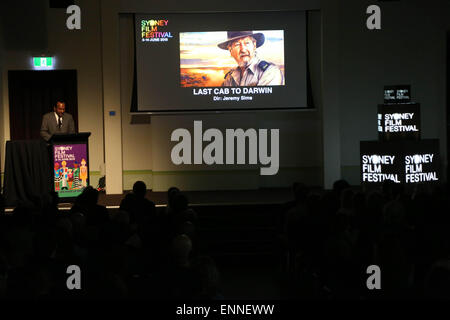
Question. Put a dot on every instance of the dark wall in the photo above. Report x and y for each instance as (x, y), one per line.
(216, 6)
(25, 24)
(409, 49)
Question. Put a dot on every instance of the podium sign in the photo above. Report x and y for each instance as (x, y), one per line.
(397, 94)
(399, 122)
(71, 174)
(400, 161)
(70, 157)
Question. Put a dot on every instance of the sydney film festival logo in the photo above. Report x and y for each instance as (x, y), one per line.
(155, 30)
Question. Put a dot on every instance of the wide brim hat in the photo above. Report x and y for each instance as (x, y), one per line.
(234, 35)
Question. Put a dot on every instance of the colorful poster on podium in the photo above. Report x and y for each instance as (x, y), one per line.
(71, 172)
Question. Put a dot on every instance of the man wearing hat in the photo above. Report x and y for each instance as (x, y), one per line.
(251, 71)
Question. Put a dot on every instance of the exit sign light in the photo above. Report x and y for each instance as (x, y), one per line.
(43, 62)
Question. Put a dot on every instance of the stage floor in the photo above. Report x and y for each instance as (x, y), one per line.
(199, 198)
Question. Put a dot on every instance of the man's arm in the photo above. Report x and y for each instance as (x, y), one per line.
(45, 133)
(271, 77)
(229, 80)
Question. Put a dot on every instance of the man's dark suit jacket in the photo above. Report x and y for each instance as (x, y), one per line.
(50, 125)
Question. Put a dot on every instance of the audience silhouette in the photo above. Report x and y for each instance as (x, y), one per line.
(328, 239)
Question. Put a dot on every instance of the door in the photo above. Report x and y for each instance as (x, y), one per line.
(33, 93)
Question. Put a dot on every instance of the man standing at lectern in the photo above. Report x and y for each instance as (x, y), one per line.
(57, 122)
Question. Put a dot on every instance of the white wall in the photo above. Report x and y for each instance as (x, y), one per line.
(111, 96)
(136, 148)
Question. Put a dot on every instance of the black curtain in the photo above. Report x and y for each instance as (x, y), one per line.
(448, 105)
(33, 93)
(28, 174)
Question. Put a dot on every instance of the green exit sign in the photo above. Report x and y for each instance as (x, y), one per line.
(43, 62)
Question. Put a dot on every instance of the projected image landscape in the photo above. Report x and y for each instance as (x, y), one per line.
(204, 64)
